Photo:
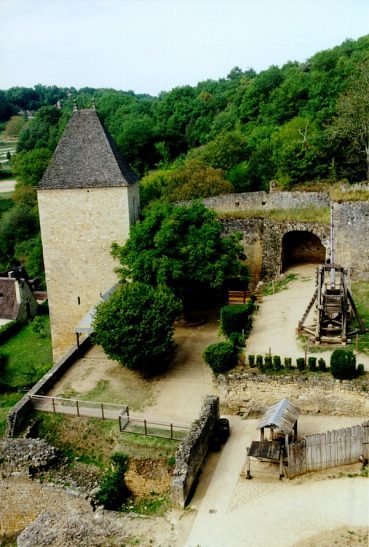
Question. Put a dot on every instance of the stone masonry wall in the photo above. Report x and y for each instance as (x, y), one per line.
(192, 451)
(22, 410)
(264, 200)
(262, 240)
(251, 393)
(78, 227)
(351, 229)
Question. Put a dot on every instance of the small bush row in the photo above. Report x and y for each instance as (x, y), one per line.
(342, 364)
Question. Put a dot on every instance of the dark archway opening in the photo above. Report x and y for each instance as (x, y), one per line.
(301, 247)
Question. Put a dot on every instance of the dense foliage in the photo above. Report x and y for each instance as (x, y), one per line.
(135, 326)
(221, 357)
(113, 491)
(293, 124)
(236, 319)
(183, 249)
(343, 364)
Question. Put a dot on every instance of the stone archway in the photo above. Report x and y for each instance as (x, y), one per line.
(299, 246)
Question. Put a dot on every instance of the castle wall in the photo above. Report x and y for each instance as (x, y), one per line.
(78, 227)
(263, 200)
(262, 240)
(351, 229)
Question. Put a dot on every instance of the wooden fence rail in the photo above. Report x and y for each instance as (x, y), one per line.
(330, 449)
(164, 430)
(76, 407)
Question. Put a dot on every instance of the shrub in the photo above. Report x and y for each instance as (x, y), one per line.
(321, 365)
(251, 360)
(221, 357)
(312, 363)
(268, 361)
(360, 369)
(300, 362)
(135, 326)
(237, 339)
(259, 362)
(343, 364)
(113, 491)
(277, 363)
(288, 362)
(236, 319)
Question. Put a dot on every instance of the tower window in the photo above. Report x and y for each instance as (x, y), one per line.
(78, 300)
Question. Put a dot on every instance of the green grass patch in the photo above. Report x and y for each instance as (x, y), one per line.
(93, 440)
(155, 505)
(360, 293)
(278, 285)
(29, 354)
(307, 214)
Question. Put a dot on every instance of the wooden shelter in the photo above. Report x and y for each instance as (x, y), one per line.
(281, 420)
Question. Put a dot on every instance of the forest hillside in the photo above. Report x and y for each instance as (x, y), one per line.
(304, 121)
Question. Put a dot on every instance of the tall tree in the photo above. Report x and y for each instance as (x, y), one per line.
(351, 124)
(182, 248)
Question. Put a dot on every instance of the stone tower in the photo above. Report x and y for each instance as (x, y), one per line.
(88, 198)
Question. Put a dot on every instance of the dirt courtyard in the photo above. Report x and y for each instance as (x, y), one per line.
(328, 508)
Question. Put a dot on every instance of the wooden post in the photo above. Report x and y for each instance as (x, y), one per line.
(356, 341)
(280, 465)
(102, 411)
(171, 431)
(77, 407)
(271, 433)
(145, 427)
(53, 401)
(262, 434)
(248, 471)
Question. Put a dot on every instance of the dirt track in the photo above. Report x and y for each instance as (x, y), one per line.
(275, 324)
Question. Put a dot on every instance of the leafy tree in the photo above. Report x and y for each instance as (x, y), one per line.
(135, 326)
(18, 224)
(14, 125)
(43, 131)
(224, 151)
(351, 124)
(195, 180)
(30, 166)
(182, 248)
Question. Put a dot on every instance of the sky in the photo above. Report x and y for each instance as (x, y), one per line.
(150, 46)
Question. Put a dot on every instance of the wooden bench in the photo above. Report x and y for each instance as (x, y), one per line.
(242, 297)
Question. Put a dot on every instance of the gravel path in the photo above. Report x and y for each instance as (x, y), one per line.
(234, 512)
(275, 324)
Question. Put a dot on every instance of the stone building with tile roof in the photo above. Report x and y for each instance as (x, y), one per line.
(88, 198)
(17, 302)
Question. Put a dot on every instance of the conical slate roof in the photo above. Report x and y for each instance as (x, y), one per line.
(86, 157)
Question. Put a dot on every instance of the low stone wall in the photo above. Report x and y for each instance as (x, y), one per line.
(21, 411)
(251, 393)
(22, 456)
(263, 200)
(192, 451)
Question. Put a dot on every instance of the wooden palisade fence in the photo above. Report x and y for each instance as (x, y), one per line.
(330, 449)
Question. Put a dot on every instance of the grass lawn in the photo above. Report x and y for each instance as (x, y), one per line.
(360, 293)
(29, 356)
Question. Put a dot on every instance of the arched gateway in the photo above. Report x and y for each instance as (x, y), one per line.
(299, 246)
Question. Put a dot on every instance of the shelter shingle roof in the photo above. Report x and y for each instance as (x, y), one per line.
(86, 157)
(282, 415)
(9, 306)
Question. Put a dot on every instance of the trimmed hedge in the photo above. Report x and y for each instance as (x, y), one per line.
(343, 364)
(221, 357)
(236, 319)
